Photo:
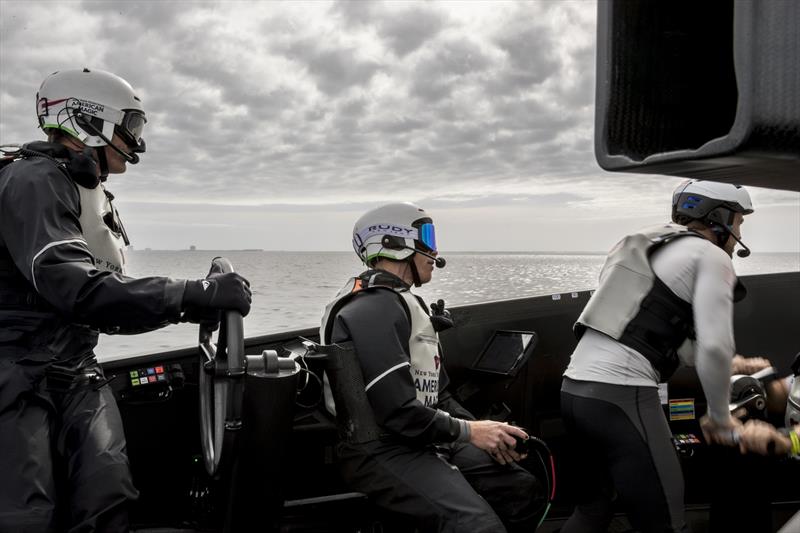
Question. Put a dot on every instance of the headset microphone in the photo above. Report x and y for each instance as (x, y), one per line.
(745, 251)
(387, 242)
(438, 261)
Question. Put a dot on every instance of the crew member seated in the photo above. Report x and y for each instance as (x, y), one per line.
(426, 458)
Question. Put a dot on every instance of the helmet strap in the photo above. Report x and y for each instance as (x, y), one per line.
(720, 220)
(102, 162)
(414, 271)
(721, 232)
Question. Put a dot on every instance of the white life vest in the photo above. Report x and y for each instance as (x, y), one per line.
(423, 341)
(634, 307)
(107, 246)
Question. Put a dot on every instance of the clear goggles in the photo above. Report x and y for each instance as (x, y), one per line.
(426, 235)
(132, 127)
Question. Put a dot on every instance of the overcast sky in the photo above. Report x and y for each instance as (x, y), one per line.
(275, 125)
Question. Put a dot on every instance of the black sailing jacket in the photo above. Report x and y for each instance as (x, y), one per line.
(53, 300)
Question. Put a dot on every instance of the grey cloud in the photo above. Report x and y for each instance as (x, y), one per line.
(407, 30)
(455, 57)
(334, 69)
(432, 90)
(404, 29)
(398, 124)
(353, 107)
(284, 118)
(530, 50)
(581, 93)
(355, 13)
(445, 68)
(146, 14)
(429, 202)
(315, 113)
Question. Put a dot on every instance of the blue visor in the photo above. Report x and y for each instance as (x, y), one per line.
(427, 236)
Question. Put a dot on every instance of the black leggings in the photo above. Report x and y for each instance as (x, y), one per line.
(622, 444)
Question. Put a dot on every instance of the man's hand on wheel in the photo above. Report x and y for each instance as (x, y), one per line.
(203, 299)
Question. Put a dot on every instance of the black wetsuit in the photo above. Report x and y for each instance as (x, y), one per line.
(63, 461)
(420, 469)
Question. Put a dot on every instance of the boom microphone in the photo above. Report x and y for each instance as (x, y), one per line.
(387, 242)
(745, 251)
(438, 261)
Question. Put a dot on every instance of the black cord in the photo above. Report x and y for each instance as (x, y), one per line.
(321, 389)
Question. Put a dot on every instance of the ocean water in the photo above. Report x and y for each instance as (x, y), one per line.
(291, 289)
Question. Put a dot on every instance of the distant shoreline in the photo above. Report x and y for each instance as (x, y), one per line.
(455, 252)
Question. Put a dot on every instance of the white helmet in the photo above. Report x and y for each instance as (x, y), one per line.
(91, 105)
(709, 201)
(393, 231)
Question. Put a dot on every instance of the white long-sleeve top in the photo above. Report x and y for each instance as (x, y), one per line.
(697, 272)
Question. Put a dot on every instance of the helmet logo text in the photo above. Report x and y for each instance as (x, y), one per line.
(395, 230)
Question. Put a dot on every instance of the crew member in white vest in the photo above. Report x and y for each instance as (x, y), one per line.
(665, 297)
(430, 461)
(62, 282)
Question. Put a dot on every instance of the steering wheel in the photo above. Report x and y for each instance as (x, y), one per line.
(222, 372)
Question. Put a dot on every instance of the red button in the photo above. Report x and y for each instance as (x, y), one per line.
(159, 370)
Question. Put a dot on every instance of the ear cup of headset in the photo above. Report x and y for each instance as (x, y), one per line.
(393, 243)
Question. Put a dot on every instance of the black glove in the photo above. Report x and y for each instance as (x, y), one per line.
(440, 317)
(216, 292)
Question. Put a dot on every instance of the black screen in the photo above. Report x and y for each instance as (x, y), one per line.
(505, 352)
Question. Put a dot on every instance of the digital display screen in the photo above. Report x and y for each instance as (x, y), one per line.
(145, 376)
(506, 352)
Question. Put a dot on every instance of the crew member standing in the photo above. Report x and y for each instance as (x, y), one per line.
(62, 282)
(665, 296)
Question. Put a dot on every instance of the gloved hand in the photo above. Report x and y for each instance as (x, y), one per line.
(440, 317)
(203, 299)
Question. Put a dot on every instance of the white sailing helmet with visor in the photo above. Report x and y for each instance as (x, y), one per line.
(92, 105)
(714, 204)
(709, 201)
(393, 231)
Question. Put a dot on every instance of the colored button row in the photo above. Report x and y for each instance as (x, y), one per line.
(148, 379)
(147, 375)
(147, 371)
(686, 438)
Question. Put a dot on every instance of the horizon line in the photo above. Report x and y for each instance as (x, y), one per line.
(549, 252)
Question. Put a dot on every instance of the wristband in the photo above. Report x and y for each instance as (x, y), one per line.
(795, 440)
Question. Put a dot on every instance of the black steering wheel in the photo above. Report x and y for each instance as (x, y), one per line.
(222, 371)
